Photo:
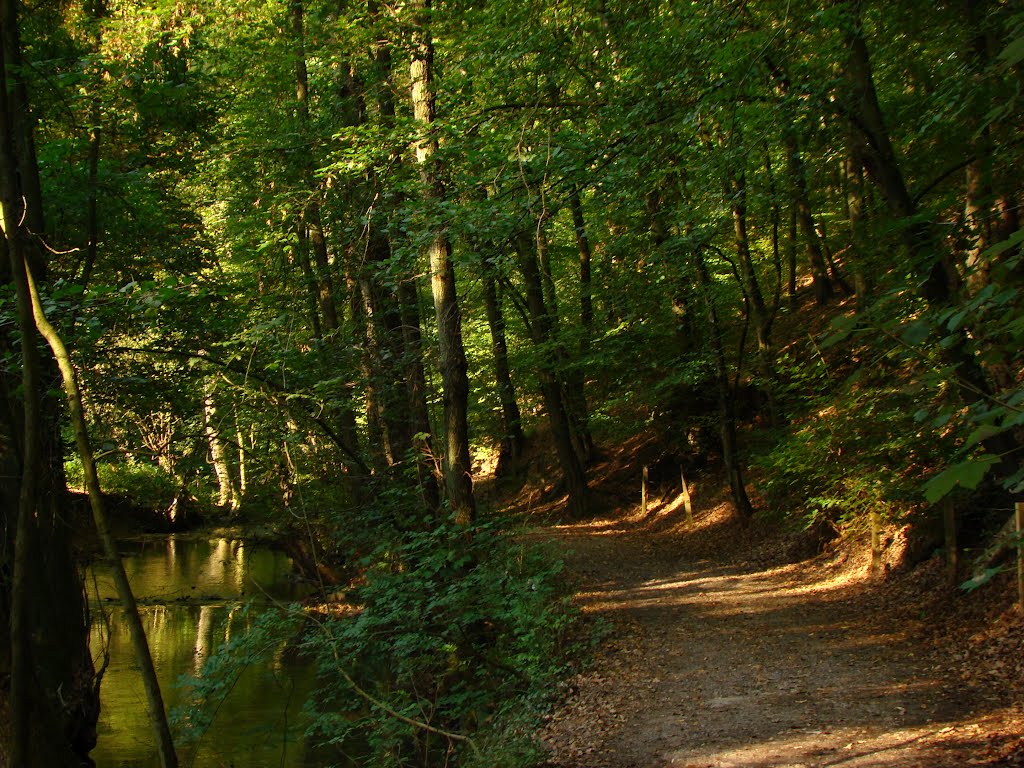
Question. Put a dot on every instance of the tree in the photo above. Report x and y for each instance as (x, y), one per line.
(451, 354)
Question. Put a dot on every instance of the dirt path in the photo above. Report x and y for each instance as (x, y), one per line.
(724, 665)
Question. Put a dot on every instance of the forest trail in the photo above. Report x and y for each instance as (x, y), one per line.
(718, 663)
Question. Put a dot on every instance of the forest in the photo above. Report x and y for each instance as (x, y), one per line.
(381, 285)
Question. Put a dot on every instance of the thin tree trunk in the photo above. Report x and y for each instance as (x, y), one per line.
(726, 399)
(941, 279)
(452, 355)
(791, 260)
(798, 177)
(542, 330)
(227, 497)
(53, 702)
(575, 379)
(857, 212)
(776, 219)
(416, 392)
(939, 275)
(91, 211)
(751, 287)
(317, 271)
(363, 343)
(511, 419)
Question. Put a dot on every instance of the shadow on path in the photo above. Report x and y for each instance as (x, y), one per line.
(723, 665)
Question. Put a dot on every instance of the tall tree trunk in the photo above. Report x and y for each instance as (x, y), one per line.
(938, 275)
(45, 659)
(451, 354)
(989, 213)
(791, 260)
(798, 178)
(776, 219)
(363, 343)
(726, 398)
(575, 377)
(511, 420)
(227, 495)
(404, 304)
(416, 392)
(98, 11)
(751, 286)
(318, 271)
(857, 213)
(542, 332)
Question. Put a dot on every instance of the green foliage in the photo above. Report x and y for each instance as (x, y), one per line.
(143, 482)
(464, 631)
(854, 448)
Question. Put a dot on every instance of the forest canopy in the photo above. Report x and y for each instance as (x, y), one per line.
(340, 259)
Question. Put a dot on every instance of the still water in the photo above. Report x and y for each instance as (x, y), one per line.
(191, 593)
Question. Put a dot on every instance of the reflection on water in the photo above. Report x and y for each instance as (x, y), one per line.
(191, 592)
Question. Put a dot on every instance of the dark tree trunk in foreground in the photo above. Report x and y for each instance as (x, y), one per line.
(44, 660)
(934, 264)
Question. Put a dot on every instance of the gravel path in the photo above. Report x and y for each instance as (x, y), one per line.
(711, 664)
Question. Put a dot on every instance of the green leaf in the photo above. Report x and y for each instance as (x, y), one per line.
(842, 327)
(982, 433)
(956, 320)
(1013, 53)
(980, 579)
(966, 474)
(916, 331)
(1012, 241)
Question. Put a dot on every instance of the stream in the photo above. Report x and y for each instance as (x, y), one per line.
(191, 593)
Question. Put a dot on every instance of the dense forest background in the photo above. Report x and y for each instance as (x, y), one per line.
(319, 263)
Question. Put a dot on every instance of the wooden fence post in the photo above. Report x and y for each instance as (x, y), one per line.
(876, 543)
(1019, 510)
(643, 493)
(949, 526)
(687, 504)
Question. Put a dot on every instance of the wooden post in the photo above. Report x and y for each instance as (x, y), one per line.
(643, 493)
(949, 526)
(876, 543)
(687, 504)
(1019, 509)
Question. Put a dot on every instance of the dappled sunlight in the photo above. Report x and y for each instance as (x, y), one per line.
(724, 661)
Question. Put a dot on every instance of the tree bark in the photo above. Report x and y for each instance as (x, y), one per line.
(542, 331)
(857, 214)
(751, 286)
(726, 398)
(798, 177)
(939, 275)
(451, 353)
(227, 496)
(317, 271)
(45, 659)
(575, 376)
(511, 419)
